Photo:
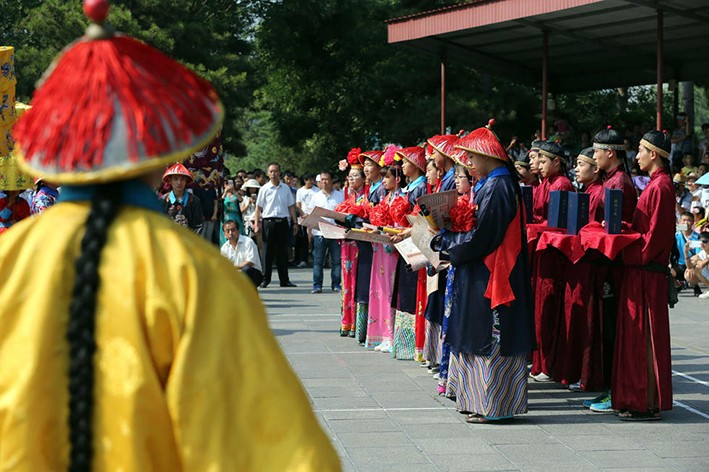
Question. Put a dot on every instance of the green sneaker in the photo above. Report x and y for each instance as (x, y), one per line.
(600, 398)
(604, 406)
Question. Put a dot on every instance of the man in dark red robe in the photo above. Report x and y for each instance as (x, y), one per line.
(642, 369)
(549, 266)
(610, 156)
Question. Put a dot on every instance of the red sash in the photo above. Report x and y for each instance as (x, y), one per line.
(500, 263)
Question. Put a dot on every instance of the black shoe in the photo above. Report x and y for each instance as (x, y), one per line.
(263, 285)
(288, 284)
(697, 291)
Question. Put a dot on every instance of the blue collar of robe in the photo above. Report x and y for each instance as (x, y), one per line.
(412, 185)
(173, 198)
(373, 188)
(133, 193)
(493, 173)
(449, 175)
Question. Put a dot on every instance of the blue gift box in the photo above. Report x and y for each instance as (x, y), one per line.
(528, 201)
(577, 212)
(614, 210)
(558, 207)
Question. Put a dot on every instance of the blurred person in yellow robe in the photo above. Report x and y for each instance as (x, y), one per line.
(119, 349)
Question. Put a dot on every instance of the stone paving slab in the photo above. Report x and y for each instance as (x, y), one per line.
(384, 415)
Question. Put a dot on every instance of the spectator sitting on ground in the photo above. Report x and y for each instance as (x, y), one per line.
(698, 265)
(684, 234)
(702, 169)
(242, 252)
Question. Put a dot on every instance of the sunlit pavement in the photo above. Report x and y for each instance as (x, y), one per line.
(384, 415)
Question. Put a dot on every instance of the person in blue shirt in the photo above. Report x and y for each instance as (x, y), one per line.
(684, 233)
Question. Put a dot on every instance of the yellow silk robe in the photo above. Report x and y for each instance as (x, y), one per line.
(188, 374)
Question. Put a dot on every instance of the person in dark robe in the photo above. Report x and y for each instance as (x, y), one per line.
(443, 154)
(491, 325)
(409, 287)
(642, 371)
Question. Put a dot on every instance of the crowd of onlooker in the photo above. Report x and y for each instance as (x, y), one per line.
(206, 209)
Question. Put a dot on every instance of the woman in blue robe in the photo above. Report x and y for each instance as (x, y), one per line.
(491, 325)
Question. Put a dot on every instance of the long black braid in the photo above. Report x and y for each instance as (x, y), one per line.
(80, 331)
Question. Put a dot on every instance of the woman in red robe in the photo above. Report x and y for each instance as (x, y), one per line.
(355, 204)
(642, 371)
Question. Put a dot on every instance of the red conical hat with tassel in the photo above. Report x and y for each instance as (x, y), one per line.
(111, 107)
(483, 141)
(177, 169)
(461, 157)
(373, 156)
(415, 155)
(444, 143)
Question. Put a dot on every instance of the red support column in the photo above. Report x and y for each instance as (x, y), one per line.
(658, 117)
(545, 81)
(443, 91)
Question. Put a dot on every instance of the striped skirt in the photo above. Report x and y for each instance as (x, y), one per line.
(404, 336)
(361, 322)
(432, 345)
(452, 376)
(492, 385)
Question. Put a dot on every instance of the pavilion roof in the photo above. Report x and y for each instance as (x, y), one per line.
(593, 44)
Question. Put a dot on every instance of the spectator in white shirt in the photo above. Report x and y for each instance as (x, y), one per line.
(276, 205)
(327, 198)
(303, 200)
(242, 252)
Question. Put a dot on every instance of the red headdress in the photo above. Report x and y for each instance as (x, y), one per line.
(389, 158)
(483, 141)
(373, 156)
(111, 108)
(177, 169)
(415, 155)
(353, 158)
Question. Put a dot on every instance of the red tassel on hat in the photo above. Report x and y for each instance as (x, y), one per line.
(112, 103)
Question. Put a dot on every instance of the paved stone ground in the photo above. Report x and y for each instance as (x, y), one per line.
(384, 415)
